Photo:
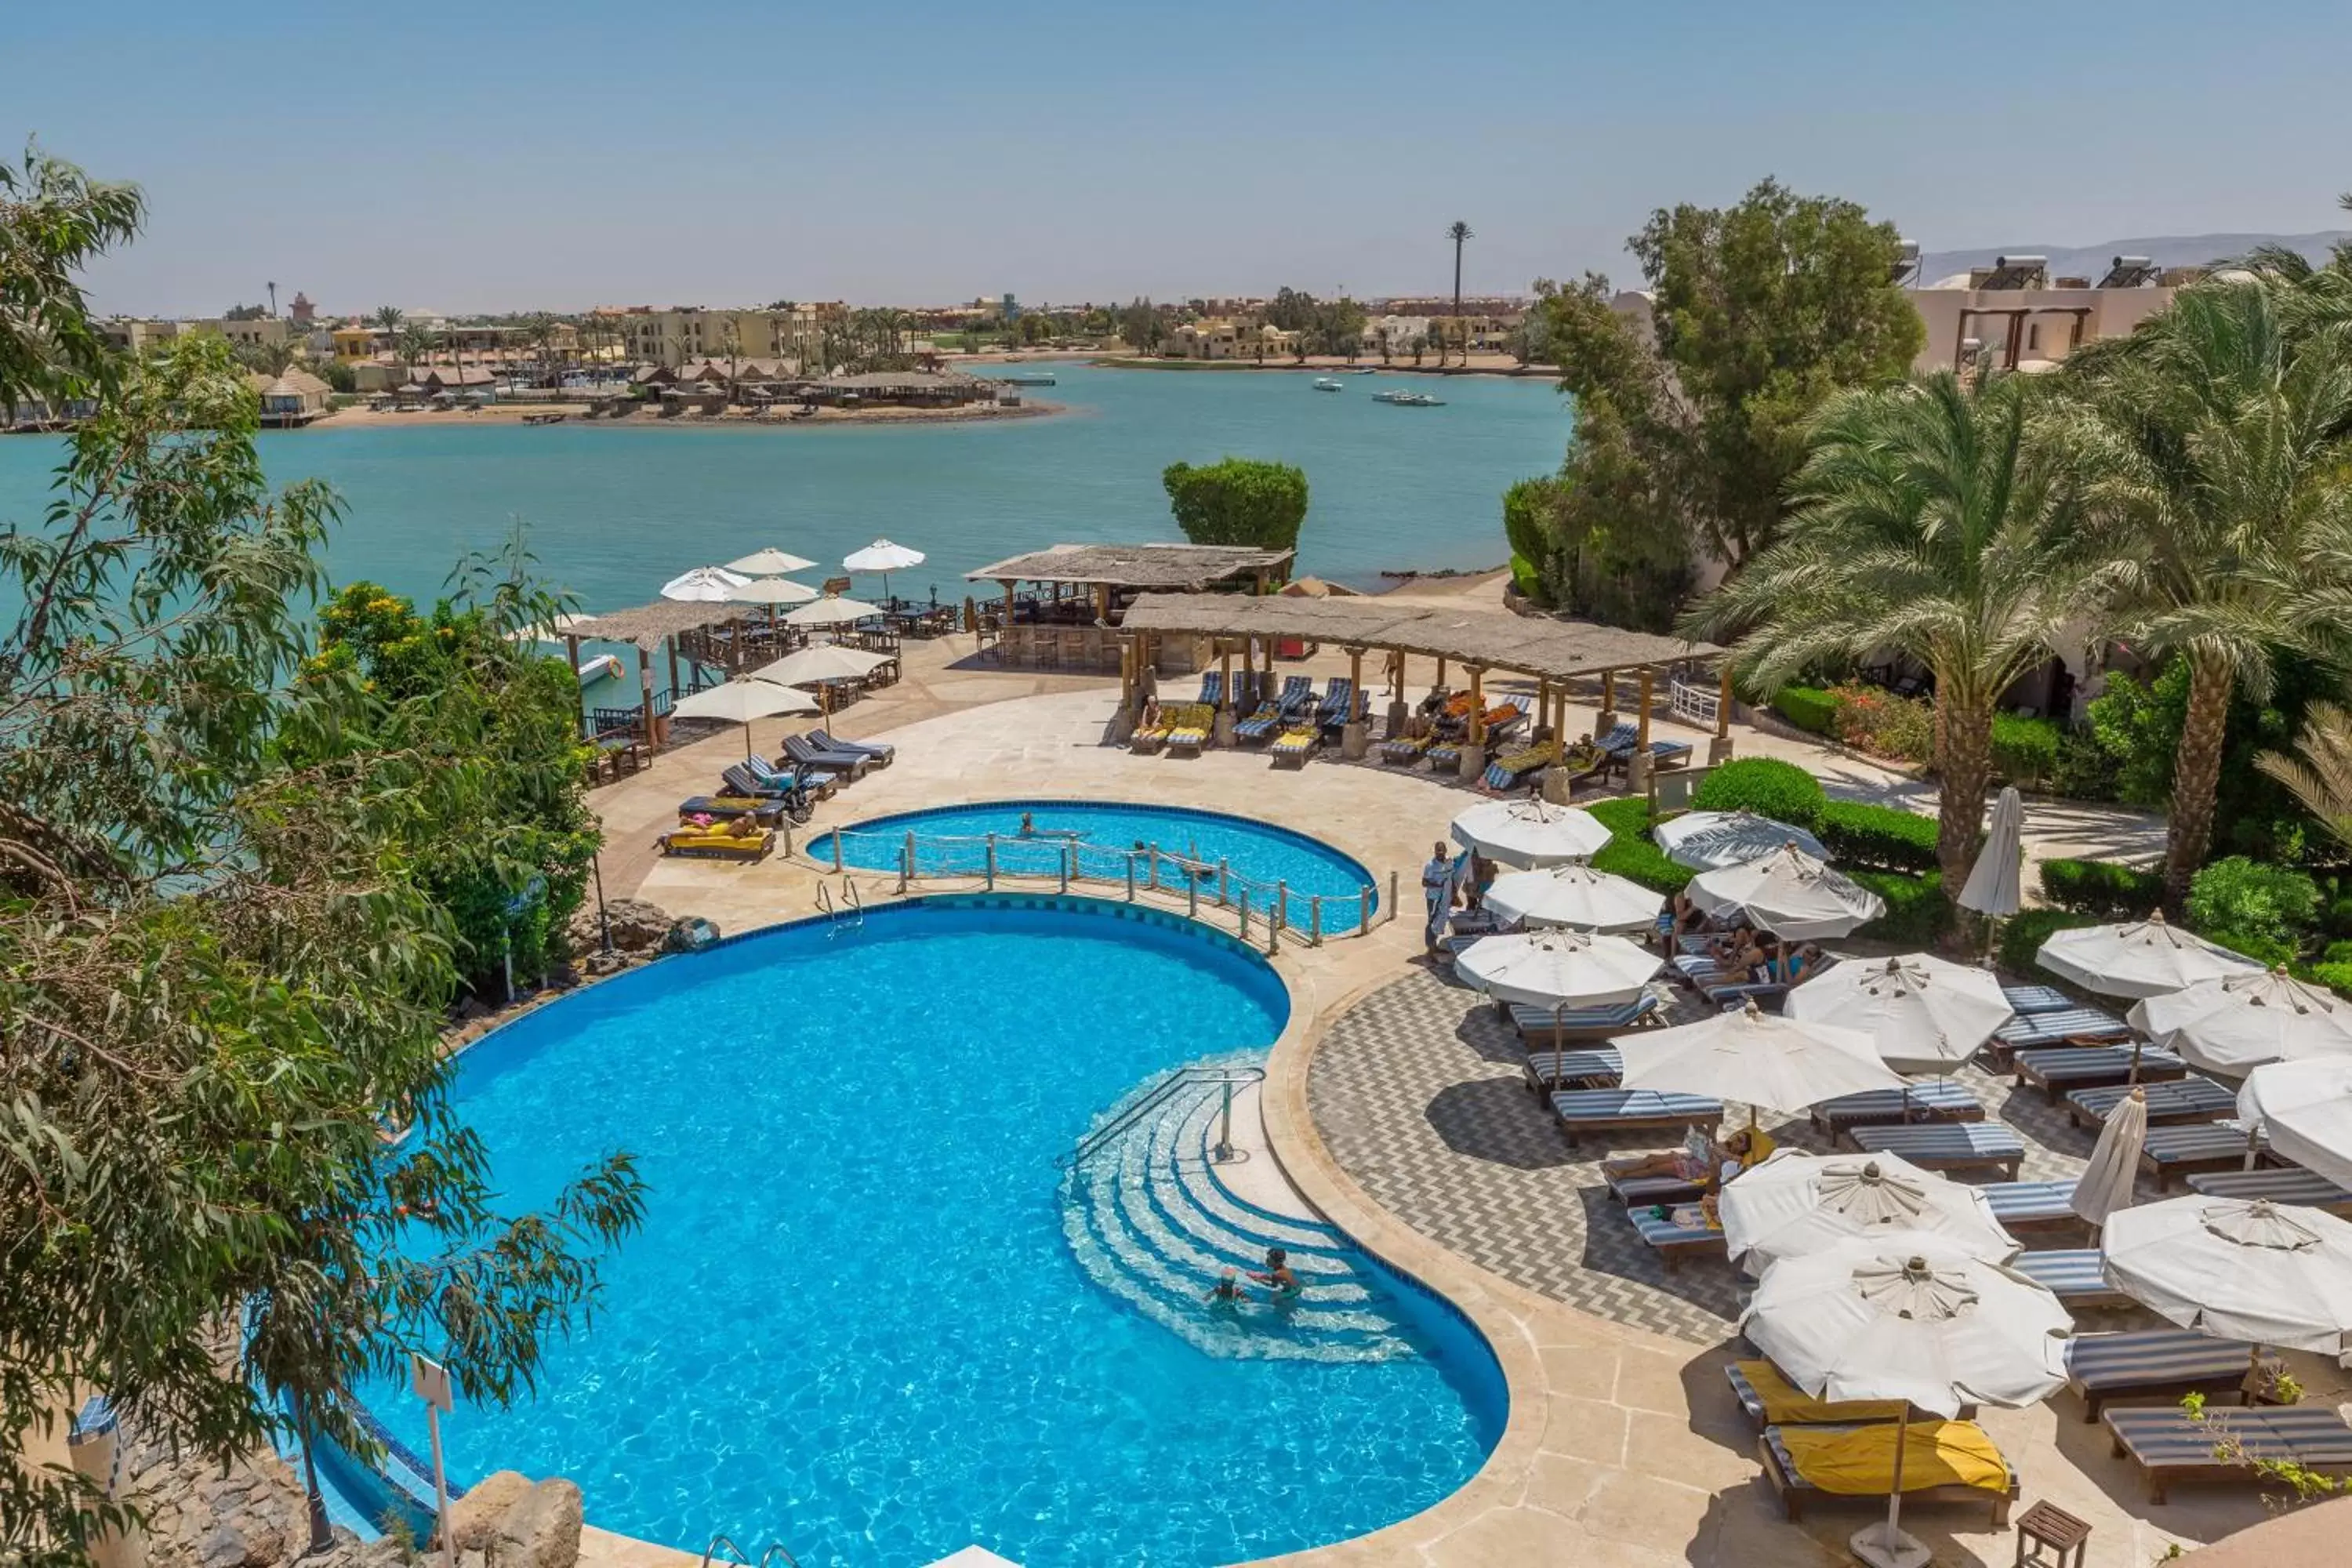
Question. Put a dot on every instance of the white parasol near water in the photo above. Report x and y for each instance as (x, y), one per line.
(772, 591)
(770, 563)
(708, 584)
(884, 557)
(821, 662)
(2138, 958)
(1557, 968)
(1529, 834)
(1710, 840)
(831, 613)
(1796, 1203)
(1789, 893)
(740, 701)
(2235, 1023)
(1926, 1015)
(1574, 895)
(1761, 1059)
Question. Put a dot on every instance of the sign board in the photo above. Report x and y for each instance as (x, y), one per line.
(429, 1381)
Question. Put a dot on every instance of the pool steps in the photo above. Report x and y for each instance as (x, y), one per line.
(1151, 1222)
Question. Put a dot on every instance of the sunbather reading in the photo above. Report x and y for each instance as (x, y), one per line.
(1276, 1276)
(1701, 1160)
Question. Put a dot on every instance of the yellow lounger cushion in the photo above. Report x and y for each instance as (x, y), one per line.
(1860, 1462)
(715, 841)
(1785, 1404)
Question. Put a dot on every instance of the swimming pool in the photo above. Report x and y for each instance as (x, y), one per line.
(1261, 861)
(856, 1322)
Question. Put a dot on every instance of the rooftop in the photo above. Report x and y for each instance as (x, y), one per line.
(1192, 566)
(648, 625)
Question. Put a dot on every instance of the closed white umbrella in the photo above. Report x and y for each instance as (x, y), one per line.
(2235, 1023)
(1574, 895)
(1529, 832)
(770, 563)
(1708, 840)
(1761, 1059)
(552, 631)
(2138, 958)
(1559, 968)
(2306, 1109)
(884, 557)
(2107, 1182)
(821, 662)
(772, 591)
(2269, 1274)
(1926, 1015)
(831, 613)
(740, 701)
(711, 584)
(1796, 1203)
(1789, 893)
(1909, 1316)
(1992, 885)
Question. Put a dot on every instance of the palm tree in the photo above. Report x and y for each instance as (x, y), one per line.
(2319, 772)
(2222, 436)
(1937, 519)
(387, 318)
(412, 344)
(1460, 233)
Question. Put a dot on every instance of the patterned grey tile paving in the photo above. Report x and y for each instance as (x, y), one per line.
(1418, 1093)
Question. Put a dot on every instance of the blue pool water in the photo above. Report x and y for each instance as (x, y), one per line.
(952, 840)
(853, 1322)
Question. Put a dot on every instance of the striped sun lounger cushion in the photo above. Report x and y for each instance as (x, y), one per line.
(2217, 1144)
(1258, 725)
(2164, 1438)
(1547, 1067)
(1644, 1191)
(1601, 1108)
(2031, 999)
(2079, 1064)
(2050, 1028)
(2290, 1185)
(2101, 1367)
(2030, 1202)
(1939, 1100)
(2071, 1274)
(1543, 1020)
(1665, 1234)
(2189, 1099)
(1949, 1142)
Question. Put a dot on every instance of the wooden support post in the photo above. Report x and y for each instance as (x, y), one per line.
(1477, 705)
(670, 647)
(645, 693)
(571, 646)
(1718, 751)
(1543, 702)
(1606, 720)
(1102, 603)
(1355, 674)
(1642, 734)
(1225, 676)
(1355, 734)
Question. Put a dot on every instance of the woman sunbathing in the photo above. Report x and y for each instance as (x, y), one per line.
(1745, 1149)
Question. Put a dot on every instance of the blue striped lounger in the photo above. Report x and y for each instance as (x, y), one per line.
(1543, 1022)
(1644, 1191)
(2032, 999)
(1258, 725)
(2073, 1275)
(1587, 1111)
(2032, 1205)
(2289, 1184)
(2169, 1447)
(1670, 1241)
(2189, 1099)
(2174, 1152)
(1938, 1101)
(2023, 1034)
(1947, 1146)
(2055, 1070)
(2156, 1364)
(1548, 1070)
(1794, 1492)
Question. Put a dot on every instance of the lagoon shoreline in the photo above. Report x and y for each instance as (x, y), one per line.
(824, 419)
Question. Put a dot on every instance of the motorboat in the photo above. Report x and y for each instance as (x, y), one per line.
(599, 667)
(1409, 399)
(1028, 378)
(1325, 383)
(1365, 370)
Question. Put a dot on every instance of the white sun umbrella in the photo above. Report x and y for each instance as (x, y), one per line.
(1574, 895)
(2109, 1181)
(821, 662)
(2138, 958)
(1529, 832)
(884, 557)
(1764, 1060)
(1992, 885)
(740, 701)
(1789, 893)
(2235, 1023)
(2306, 1108)
(770, 563)
(1926, 1015)
(1911, 1316)
(772, 591)
(1795, 1204)
(1706, 840)
(830, 613)
(711, 585)
(1557, 968)
(2269, 1274)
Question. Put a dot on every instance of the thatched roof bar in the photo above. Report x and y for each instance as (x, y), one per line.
(1558, 650)
(648, 626)
(1191, 566)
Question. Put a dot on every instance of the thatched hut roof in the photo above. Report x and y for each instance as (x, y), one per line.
(1192, 566)
(1558, 649)
(648, 626)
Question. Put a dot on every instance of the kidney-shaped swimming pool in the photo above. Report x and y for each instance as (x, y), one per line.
(853, 1323)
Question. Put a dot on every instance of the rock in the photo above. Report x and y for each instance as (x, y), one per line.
(540, 1531)
(223, 1547)
(474, 1518)
(692, 933)
(637, 926)
(264, 1546)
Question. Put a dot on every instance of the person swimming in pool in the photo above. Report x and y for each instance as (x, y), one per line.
(1276, 1276)
(1227, 1292)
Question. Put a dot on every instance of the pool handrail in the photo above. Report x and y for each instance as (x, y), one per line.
(735, 1553)
(1156, 1096)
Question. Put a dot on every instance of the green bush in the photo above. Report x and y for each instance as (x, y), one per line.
(2337, 952)
(1765, 785)
(1238, 501)
(2335, 920)
(1877, 837)
(1809, 708)
(2334, 974)
(2025, 751)
(1527, 579)
(2101, 888)
(1527, 508)
(1630, 853)
(2267, 950)
(2269, 903)
(2023, 934)
(1872, 719)
(1917, 913)
(2084, 769)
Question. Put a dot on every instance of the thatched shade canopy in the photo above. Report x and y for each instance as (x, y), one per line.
(648, 626)
(1190, 566)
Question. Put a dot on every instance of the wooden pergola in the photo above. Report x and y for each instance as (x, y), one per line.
(1100, 572)
(648, 626)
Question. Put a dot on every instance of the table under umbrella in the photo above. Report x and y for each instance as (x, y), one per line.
(1763, 1060)
(1789, 893)
(709, 584)
(1925, 1013)
(2138, 958)
(2235, 1023)
(2269, 1274)
(1529, 832)
(1910, 1316)
(1709, 840)
(1574, 895)
(740, 701)
(1557, 968)
(2305, 1109)
(1796, 1203)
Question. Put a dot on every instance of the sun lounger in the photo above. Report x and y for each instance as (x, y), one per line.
(2033, 999)
(1297, 697)
(1642, 1191)
(1947, 1146)
(1582, 1112)
(695, 845)
(2156, 1364)
(883, 754)
(1619, 744)
(767, 810)
(1599, 1069)
(2169, 1448)
(1339, 704)
(755, 777)
(1782, 1450)
(2194, 1099)
(1189, 731)
(2073, 1275)
(813, 758)
(2055, 1070)
(1939, 1099)
(2172, 1153)
(1768, 1399)
(2282, 1184)
(1554, 1028)
(1406, 750)
(1151, 737)
(1731, 989)
(1212, 687)
(1672, 1240)
(2028, 1207)
(1295, 746)
(2082, 1026)
(1259, 726)
(1511, 770)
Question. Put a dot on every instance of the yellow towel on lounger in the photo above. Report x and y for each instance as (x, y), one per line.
(1861, 1462)
(1786, 1405)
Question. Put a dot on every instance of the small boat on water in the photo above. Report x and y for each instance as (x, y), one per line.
(1325, 383)
(543, 418)
(1029, 378)
(1365, 370)
(600, 667)
(1409, 399)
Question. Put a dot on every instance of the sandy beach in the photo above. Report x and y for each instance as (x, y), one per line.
(577, 413)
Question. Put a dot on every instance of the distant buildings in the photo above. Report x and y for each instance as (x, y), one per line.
(1228, 338)
(683, 335)
(295, 398)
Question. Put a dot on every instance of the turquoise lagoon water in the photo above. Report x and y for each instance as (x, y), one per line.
(853, 1323)
(616, 511)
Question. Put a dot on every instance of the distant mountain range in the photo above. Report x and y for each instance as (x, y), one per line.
(2165, 250)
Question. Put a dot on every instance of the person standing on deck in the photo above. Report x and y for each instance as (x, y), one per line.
(1437, 889)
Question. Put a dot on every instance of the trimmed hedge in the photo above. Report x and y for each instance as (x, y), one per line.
(2335, 976)
(1809, 708)
(2025, 751)
(1917, 913)
(1629, 852)
(1877, 837)
(2101, 888)
(1765, 785)
(2023, 934)
(2267, 950)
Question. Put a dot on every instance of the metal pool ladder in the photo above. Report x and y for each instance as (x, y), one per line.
(1159, 1094)
(847, 915)
(735, 1554)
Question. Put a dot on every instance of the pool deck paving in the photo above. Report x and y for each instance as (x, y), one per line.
(1393, 1105)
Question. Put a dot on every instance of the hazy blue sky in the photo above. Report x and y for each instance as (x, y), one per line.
(500, 154)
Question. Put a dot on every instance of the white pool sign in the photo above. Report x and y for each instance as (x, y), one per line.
(429, 1381)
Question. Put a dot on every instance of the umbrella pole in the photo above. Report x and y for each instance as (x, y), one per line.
(1883, 1544)
(2254, 1146)
(1559, 1024)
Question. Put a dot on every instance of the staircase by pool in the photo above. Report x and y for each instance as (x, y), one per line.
(1154, 1217)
